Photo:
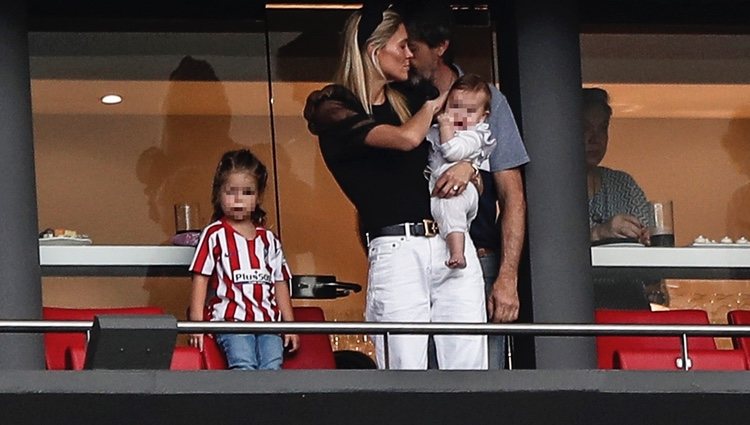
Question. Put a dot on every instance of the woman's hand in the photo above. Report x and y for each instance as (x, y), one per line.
(196, 340)
(645, 237)
(410, 134)
(454, 180)
(291, 342)
(619, 226)
(436, 104)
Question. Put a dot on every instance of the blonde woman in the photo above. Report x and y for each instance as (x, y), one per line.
(372, 139)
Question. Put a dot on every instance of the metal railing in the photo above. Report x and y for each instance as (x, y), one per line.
(398, 328)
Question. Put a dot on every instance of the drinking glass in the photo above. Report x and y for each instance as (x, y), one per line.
(187, 217)
(662, 229)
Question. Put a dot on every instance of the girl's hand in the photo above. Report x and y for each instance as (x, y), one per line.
(196, 340)
(291, 342)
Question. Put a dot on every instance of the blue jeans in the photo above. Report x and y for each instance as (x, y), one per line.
(495, 343)
(250, 352)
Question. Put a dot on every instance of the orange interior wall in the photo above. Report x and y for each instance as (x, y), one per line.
(703, 165)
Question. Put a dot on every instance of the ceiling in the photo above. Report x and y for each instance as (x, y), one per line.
(648, 75)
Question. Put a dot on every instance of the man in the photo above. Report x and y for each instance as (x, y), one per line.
(499, 250)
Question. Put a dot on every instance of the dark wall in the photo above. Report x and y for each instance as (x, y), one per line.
(374, 397)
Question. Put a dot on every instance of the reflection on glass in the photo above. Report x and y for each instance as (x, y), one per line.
(178, 170)
(116, 171)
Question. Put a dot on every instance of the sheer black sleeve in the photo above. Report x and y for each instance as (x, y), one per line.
(336, 116)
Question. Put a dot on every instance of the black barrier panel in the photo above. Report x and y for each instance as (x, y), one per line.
(131, 342)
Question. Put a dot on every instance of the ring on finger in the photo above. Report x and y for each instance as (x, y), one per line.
(455, 188)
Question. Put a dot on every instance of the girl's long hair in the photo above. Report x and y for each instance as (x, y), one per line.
(357, 68)
(239, 161)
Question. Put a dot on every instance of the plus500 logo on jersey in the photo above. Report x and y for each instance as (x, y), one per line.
(251, 276)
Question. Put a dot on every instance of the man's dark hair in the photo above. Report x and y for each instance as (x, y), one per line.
(429, 22)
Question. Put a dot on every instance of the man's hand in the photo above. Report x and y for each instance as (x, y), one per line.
(503, 304)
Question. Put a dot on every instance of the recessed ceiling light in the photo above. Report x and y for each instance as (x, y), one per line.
(111, 99)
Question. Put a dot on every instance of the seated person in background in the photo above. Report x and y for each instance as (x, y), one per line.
(617, 205)
(461, 134)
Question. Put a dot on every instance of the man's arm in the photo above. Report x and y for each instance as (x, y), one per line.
(503, 304)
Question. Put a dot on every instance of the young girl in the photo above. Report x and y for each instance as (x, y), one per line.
(242, 264)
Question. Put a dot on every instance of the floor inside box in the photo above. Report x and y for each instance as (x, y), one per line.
(716, 297)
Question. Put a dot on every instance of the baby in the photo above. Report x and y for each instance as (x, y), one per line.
(460, 135)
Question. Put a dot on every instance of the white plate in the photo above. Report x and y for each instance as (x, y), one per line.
(721, 245)
(621, 244)
(63, 240)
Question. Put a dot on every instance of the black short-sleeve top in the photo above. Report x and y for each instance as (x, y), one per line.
(386, 186)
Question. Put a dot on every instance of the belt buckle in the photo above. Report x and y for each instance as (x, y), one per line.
(430, 228)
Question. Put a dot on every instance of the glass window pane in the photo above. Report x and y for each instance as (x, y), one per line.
(114, 172)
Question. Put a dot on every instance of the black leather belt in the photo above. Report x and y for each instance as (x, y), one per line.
(426, 228)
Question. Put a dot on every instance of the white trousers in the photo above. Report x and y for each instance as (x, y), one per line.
(456, 213)
(409, 282)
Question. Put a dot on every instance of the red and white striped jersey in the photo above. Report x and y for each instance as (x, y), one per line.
(242, 273)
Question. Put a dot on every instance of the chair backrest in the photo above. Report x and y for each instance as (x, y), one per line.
(672, 360)
(607, 345)
(186, 358)
(213, 357)
(314, 352)
(56, 344)
(740, 317)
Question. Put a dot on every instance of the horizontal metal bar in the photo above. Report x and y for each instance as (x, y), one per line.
(539, 329)
(36, 326)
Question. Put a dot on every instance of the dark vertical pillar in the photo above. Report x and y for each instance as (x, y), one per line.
(20, 281)
(540, 73)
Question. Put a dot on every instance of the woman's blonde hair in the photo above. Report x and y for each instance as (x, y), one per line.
(357, 68)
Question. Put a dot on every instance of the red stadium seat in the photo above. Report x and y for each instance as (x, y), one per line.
(314, 352)
(213, 357)
(607, 345)
(672, 360)
(740, 317)
(56, 344)
(186, 358)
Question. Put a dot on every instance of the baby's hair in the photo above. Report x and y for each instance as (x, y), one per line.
(474, 83)
(245, 162)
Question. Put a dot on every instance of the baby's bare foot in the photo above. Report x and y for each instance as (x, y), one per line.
(457, 261)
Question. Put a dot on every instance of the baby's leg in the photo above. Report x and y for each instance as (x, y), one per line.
(455, 242)
(452, 216)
